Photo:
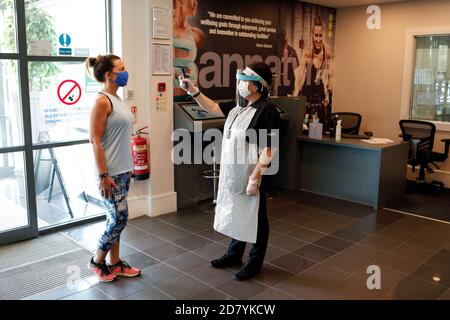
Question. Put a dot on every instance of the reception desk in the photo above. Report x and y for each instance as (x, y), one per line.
(354, 170)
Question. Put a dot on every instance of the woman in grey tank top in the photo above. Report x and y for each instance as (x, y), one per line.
(111, 127)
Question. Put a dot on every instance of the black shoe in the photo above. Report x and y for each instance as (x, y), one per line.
(247, 272)
(226, 261)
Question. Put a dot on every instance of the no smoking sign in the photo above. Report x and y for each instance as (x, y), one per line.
(69, 92)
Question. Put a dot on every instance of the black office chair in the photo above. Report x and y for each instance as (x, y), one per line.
(350, 122)
(420, 135)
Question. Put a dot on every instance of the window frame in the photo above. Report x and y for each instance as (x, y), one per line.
(28, 148)
(408, 71)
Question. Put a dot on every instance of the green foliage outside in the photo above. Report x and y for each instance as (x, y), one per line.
(39, 26)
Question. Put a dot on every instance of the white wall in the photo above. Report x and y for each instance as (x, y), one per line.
(369, 63)
(132, 38)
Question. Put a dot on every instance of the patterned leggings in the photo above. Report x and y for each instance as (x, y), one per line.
(117, 216)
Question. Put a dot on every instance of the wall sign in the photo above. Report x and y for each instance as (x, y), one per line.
(161, 23)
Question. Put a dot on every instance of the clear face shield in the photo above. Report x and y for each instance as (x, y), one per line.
(243, 79)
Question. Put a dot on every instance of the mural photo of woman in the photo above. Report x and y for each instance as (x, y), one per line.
(186, 40)
(313, 77)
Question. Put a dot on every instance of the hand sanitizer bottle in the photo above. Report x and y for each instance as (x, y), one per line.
(338, 130)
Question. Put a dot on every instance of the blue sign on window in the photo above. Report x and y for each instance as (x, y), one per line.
(65, 40)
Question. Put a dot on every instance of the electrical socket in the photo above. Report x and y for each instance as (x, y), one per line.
(129, 94)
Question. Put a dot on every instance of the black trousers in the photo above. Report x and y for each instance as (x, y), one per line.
(258, 251)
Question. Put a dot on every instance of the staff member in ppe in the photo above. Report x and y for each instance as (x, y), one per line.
(241, 211)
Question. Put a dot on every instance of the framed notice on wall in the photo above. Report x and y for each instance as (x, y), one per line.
(161, 59)
(161, 23)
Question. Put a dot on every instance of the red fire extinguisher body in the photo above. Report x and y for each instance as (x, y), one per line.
(140, 158)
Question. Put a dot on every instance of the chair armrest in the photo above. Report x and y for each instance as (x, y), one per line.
(447, 145)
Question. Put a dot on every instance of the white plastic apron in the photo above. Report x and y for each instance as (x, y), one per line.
(236, 212)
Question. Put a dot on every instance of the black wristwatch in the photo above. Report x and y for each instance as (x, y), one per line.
(196, 95)
(104, 175)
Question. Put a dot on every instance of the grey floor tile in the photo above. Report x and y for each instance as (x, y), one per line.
(172, 234)
(242, 290)
(148, 294)
(211, 251)
(122, 287)
(184, 287)
(130, 233)
(61, 292)
(211, 294)
(159, 273)
(166, 251)
(192, 242)
(153, 226)
(140, 260)
(195, 226)
(145, 243)
(187, 262)
(212, 276)
(89, 294)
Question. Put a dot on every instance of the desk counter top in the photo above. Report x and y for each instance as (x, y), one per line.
(351, 143)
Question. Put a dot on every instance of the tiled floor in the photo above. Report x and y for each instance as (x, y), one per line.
(319, 248)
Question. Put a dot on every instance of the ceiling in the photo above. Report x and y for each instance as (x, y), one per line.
(351, 3)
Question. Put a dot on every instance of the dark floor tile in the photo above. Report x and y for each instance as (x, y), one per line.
(318, 282)
(272, 294)
(187, 262)
(159, 273)
(282, 227)
(397, 263)
(355, 288)
(306, 234)
(412, 288)
(346, 263)
(432, 274)
(394, 235)
(387, 217)
(122, 287)
(153, 226)
(367, 226)
(242, 290)
(165, 251)
(379, 243)
(180, 218)
(293, 263)
(273, 253)
(172, 234)
(130, 233)
(349, 234)
(126, 250)
(286, 243)
(324, 226)
(195, 226)
(389, 278)
(270, 275)
(427, 243)
(363, 253)
(145, 243)
(445, 296)
(406, 226)
(413, 253)
(441, 260)
(141, 220)
(287, 209)
(140, 260)
(89, 294)
(183, 288)
(211, 294)
(192, 242)
(333, 243)
(314, 253)
(213, 235)
(212, 276)
(148, 294)
(299, 219)
(211, 251)
(87, 233)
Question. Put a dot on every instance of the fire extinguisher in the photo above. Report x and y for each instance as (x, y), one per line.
(141, 167)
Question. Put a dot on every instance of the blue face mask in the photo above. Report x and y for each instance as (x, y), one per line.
(122, 78)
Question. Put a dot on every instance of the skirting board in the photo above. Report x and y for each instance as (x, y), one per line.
(137, 207)
(438, 175)
(161, 204)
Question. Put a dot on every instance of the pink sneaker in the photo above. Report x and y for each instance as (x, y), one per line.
(123, 269)
(102, 271)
